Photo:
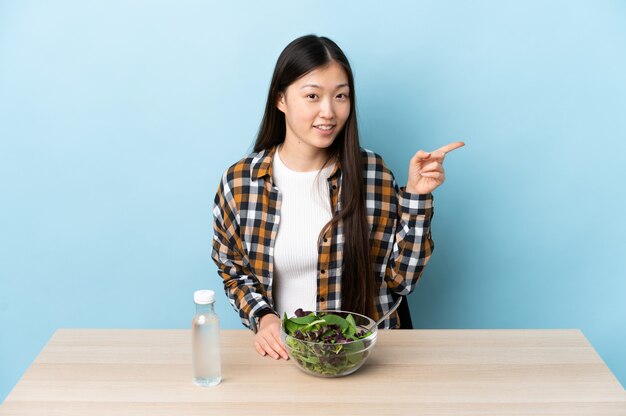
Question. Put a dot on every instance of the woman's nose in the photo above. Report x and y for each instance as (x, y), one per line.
(326, 109)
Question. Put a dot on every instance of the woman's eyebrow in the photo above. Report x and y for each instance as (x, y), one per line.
(317, 86)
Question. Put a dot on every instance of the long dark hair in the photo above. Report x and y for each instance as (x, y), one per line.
(301, 56)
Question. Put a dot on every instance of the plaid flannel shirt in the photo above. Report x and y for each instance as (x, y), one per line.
(246, 219)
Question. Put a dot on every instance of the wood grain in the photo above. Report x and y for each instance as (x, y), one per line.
(430, 372)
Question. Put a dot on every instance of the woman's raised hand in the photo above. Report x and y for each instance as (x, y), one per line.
(267, 339)
(426, 169)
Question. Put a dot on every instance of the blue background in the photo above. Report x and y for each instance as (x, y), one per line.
(117, 120)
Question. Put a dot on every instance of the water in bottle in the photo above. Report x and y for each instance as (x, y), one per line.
(206, 340)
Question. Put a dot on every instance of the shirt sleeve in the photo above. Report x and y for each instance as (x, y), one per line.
(412, 243)
(242, 287)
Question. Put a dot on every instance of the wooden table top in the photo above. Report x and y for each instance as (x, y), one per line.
(430, 372)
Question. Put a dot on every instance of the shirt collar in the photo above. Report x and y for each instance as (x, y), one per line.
(262, 165)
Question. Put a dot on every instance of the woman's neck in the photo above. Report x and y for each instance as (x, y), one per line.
(301, 157)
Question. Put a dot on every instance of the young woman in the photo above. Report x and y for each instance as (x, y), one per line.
(310, 219)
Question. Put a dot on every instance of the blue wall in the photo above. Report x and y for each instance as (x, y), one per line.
(117, 120)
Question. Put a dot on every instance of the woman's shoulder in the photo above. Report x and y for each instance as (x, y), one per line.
(373, 162)
(250, 167)
(380, 184)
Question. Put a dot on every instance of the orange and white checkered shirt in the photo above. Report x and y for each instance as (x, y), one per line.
(246, 217)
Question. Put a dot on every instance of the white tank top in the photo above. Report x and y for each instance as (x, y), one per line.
(305, 209)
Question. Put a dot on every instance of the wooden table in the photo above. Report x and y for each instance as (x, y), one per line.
(414, 372)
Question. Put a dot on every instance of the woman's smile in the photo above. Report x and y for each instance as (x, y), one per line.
(325, 129)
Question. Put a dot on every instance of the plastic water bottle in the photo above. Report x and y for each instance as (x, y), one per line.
(206, 340)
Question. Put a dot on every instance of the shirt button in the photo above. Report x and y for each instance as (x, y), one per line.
(334, 186)
(325, 239)
(322, 299)
(323, 271)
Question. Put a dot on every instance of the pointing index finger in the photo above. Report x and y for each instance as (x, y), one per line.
(450, 147)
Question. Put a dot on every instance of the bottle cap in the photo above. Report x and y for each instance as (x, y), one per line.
(203, 297)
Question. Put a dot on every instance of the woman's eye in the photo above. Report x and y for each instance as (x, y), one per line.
(343, 96)
(312, 96)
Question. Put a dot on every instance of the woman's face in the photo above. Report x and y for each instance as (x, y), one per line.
(316, 107)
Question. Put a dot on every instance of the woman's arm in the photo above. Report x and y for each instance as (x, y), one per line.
(244, 290)
(412, 241)
(413, 244)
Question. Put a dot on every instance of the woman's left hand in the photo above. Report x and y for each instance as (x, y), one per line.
(426, 169)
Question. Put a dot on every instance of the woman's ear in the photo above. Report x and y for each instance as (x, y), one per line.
(280, 102)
